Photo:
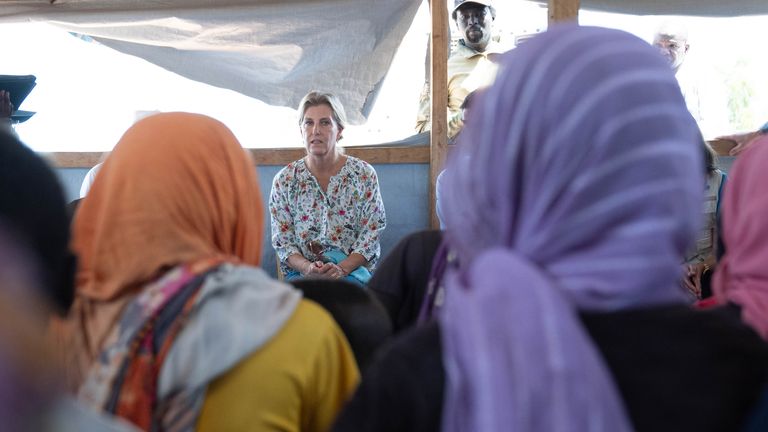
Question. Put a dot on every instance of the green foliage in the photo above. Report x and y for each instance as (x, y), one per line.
(740, 94)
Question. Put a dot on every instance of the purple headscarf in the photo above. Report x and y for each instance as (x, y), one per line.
(577, 187)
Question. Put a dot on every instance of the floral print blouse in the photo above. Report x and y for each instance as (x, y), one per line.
(348, 216)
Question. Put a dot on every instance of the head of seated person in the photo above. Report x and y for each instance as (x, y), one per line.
(36, 284)
(573, 195)
(576, 187)
(36, 281)
(30, 385)
(361, 317)
(176, 189)
(326, 208)
(33, 210)
(170, 240)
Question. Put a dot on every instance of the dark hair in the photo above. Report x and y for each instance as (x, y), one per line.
(710, 158)
(361, 317)
(32, 206)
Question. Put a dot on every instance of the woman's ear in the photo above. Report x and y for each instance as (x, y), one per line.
(338, 134)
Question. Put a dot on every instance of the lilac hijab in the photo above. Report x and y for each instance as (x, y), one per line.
(577, 188)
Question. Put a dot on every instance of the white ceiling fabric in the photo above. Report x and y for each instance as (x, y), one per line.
(272, 50)
(277, 50)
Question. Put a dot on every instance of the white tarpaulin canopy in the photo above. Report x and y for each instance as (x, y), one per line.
(272, 50)
(277, 50)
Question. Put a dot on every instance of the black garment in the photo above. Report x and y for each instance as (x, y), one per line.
(403, 390)
(361, 317)
(400, 281)
(33, 210)
(706, 283)
(677, 369)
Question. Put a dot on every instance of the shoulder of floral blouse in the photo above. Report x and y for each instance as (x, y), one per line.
(362, 167)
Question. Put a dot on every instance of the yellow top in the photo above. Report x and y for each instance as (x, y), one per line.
(298, 381)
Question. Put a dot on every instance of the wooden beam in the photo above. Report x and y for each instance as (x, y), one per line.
(372, 155)
(439, 43)
(280, 156)
(73, 159)
(563, 10)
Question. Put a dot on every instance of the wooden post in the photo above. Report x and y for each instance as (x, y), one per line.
(563, 10)
(438, 89)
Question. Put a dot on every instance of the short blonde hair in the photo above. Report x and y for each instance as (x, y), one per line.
(315, 98)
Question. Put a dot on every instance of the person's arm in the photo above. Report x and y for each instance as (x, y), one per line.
(455, 114)
(6, 107)
(745, 140)
(440, 199)
(305, 266)
(422, 118)
(353, 261)
(281, 221)
(6, 110)
(456, 97)
(372, 220)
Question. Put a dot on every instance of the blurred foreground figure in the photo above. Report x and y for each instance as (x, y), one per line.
(36, 283)
(174, 326)
(741, 277)
(574, 194)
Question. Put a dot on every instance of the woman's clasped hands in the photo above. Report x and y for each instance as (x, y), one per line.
(325, 270)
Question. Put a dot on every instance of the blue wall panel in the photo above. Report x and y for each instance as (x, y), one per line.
(403, 189)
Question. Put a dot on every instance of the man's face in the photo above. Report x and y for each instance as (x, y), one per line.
(474, 22)
(672, 48)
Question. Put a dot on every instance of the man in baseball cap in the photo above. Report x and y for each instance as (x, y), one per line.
(470, 66)
(474, 20)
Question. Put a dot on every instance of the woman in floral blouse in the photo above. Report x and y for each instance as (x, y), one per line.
(326, 207)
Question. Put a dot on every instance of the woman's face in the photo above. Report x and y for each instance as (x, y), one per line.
(320, 131)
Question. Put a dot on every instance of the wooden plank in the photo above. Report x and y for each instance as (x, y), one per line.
(278, 156)
(73, 159)
(439, 43)
(372, 155)
(391, 155)
(563, 10)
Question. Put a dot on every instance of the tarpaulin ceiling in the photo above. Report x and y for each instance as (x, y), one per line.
(272, 50)
(277, 50)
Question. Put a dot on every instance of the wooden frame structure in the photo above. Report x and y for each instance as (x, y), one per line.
(278, 156)
(438, 88)
(563, 10)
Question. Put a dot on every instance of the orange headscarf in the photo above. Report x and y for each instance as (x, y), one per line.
(177, 188)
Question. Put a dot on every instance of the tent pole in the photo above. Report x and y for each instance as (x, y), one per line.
(438, 89)
(563, 10)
